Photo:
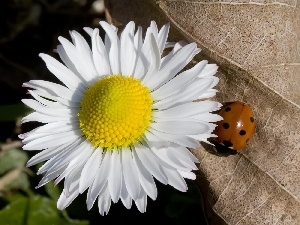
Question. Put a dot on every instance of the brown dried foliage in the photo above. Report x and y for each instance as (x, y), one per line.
(257, 47)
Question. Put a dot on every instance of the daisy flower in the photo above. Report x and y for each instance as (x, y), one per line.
(123, 115)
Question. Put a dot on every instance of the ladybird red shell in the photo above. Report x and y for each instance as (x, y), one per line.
(237, 126)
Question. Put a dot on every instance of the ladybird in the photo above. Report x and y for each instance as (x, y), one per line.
(236, 128)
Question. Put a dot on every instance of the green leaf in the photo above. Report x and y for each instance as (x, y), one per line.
(13, 111)
(21, 182)
(30, 211)
(9, 197)
(52, 191)
(36, 210)
(79, 222)
(13, 214)
(11, 159)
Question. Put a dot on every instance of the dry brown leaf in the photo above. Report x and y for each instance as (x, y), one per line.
(9, 177)
(257, 46)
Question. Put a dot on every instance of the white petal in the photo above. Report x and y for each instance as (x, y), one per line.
(188, 175)
(65, 200)
(187, 94)
(46, 102)
(60, 160)
(158, 144)
(100, 56)
(63, 151)
(56, 99)
(115, 176)
(141, 201)
(80, 55)
(177, 63)
(153, 29)
(89, 31)
(104, 201)
(54, 89)
(107, 43)
(145, 177)
(138, 41)
(185, 161)
(170, 55)
(162, 37)
(72, 179)
(209, 70)
(139, 69)
(62, 72)
(151, 163)
(208, 117)
(82, 46)
(47, 110)
(90, 169)
(204, 137)
(146, 48)
(180, 127)
(50, 128)
(62, 101)
(42, 118)
(183, 152)
(181, 140)
(170, 159)
(56, 127)
(151, 137)
(155, 141)
(77, 162)
(124, 196)
(170, 44)
(46, 130)
(32, 135)
(178, 82)
(69, 148)
(50, 177)
(128, 51)
(208, 94)
(25, 135)
(44, 155)
(143, 60)
(141, 66)
(100, 180)
(215, 79)
(52, 140)
(155, 61)
(187, 109)
(114, 54)
(66, 60)
(174, 178)
(130, 173)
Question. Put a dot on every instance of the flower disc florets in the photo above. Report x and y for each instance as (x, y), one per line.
(115, 111)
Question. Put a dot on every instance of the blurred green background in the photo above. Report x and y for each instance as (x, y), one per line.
(27, 28)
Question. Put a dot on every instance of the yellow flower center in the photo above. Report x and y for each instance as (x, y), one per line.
(115, 111)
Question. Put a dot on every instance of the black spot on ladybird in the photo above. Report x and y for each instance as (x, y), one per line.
(223, 150)
(242, 132)
(227, 109)
(252, 119)
(226, 125)
(227, 143)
